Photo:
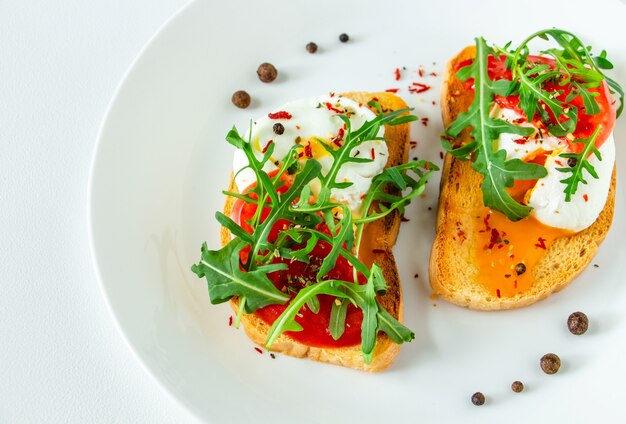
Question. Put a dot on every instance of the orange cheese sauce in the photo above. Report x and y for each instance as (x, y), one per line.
(502, 245)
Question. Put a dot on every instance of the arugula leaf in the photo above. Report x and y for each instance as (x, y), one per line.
(287, 320)
(581, 164)
(337, 324)
(226, 279)
(498, 172)
(375, 317)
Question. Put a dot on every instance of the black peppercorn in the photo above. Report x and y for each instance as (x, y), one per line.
(577, 323)
(241, 99)
(550, 363)
(571, 162)
(278, 128)
(267, 72)
(344, 38)
(520, 268)
(478, 399)
(311, 47)
(517, 386)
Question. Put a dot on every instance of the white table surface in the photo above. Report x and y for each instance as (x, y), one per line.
(62, 359)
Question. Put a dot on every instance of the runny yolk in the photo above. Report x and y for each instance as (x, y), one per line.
(507, 252)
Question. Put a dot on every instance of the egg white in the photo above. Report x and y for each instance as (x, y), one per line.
(311, 118)
(547, 197)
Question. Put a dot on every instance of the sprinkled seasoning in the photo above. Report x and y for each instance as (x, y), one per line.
(279, 115)
(278, 128)
(577, 323)
(392, 90)
(373, 153)
(329, 106)
(478, 399)
(520, 268)
(550, 363)
(272, 356)
(241, 99)
(424, 122)
(418, 87)
(344, 38)
(397, 74)
(586, 197)
(571, 162)
(517, 386)
(267, 72)
(311, 47)
(541, 243)
(230, 321)
(258, 350)
(267, 146)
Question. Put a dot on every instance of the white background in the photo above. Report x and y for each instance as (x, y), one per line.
(61, 358)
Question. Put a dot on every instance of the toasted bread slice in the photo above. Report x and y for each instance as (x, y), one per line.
(378, 240)
(453, 270)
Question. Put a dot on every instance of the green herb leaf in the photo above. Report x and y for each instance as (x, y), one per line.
(226, 279)
(582, 164)
(286, 321)
(337, 324)
(498, 173)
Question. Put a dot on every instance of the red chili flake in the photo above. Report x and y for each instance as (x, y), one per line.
(230, 321)
(433, 74)
(440, 155)
(418, 87)
(486, 221)
(397, 74)
(334, 109)
(461, 235)
(373, 153)
(522, 140)
(258, 350)
(392, 90)
(413, 144)
(280, 115)
(558, 162)
(338, 138)
(332, 94)
(427, 166)
(434, 103)
(300, 154)
(586, 197)
(515, 284)
(403, 219)
(308, 151)
(541, 243)
(362, 196)
(494, 239)
(378, 251)
(498, 293)
(420, 71)
(425, 122)
(267, 146)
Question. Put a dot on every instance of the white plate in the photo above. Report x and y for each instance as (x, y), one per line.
(162, 160)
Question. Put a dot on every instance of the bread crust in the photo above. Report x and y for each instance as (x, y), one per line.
(376, 246)
(453, 271)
